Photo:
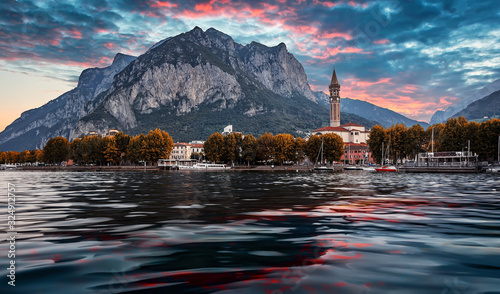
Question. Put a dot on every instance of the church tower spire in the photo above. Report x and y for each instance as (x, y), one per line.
(334, 101)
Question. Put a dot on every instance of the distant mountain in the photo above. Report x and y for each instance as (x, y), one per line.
(191, 85)
(60, 116)
(486, 108)
(368, 111)
(194, 84)
(441, 116)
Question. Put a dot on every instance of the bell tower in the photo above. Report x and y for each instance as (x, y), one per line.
(334, 101)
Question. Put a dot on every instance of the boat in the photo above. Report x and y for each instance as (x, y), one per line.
(386, 169)
(321, 167)
(353, 167)
(210, 166)
(444, 162)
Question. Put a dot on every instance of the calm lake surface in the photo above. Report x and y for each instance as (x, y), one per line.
(250, 232)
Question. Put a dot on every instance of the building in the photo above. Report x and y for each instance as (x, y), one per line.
(355, 136)
(181, 151)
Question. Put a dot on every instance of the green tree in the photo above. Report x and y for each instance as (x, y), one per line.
(377, 137)
(249, 149)
(284, 148)
(265, 147)
(214, 147)
(56, 150)
(333, 147)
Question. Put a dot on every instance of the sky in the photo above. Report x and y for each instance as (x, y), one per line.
(411, 56)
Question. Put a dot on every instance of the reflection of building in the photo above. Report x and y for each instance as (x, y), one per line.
(354, 136)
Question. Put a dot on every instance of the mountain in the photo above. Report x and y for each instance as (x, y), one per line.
(194, 84)
(190, 85)
(368, 111)
(488, 107)
(441, 116)
(60, 116)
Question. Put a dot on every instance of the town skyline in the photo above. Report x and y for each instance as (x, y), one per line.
(409, 56)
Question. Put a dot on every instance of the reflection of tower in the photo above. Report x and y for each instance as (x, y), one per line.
(334, 101)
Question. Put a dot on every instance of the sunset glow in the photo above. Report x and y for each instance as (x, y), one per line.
(408, 56)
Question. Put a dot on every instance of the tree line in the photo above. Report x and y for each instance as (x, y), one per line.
(100, 150)
(279, 149)
(454, 135)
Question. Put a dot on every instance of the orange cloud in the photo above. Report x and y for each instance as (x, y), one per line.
(381, 41)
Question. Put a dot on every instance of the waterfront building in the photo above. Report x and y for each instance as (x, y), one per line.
(355, 136)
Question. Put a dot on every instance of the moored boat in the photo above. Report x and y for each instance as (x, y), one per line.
(386, 169)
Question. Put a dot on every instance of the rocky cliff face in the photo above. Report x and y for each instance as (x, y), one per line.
(60, 116)
(201, 73)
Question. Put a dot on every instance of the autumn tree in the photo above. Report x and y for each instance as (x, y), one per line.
(249, 149)
(134, 149)
(232, 147)
(415, 140)
(157, 144)
(333, 147)
(265, 147)
(377, 137)
(56, 150)
(122, 140)
(300, 149)
(39, 156)
(214, 147)
(111, 152)
(3, 157)
(437, 130)
(452, 137)
(312, 148)
(75, 148)
(284, 148)
(397, 138)
(489, 133)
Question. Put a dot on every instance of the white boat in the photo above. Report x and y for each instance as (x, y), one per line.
(210, 166)
(352, 167)
(321, 167)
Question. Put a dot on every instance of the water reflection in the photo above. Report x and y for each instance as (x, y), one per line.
(192, 232)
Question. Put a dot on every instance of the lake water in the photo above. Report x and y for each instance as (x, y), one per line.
(252, 232)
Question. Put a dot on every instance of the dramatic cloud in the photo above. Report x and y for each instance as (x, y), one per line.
(412, 56)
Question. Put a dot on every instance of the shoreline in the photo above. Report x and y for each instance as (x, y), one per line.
(290, 168)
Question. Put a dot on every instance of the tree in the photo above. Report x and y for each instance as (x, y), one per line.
(122, 140)
(452, 136)
(111, 152)
(76, 150)
(3, 157)
(56, 150)
(300, 149)
(397, 144)
(134, 149)
(265, 147)
(415, 140)
(436, 144)
(214, 147)
(157, 144)
(489, 133)
(312, 147)
(377, 137)
(24, 156)
(232, 147)
(39, 156)
(249, 149)
(333, 147)
(284, 148)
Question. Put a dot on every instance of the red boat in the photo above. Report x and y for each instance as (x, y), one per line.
(386, 169)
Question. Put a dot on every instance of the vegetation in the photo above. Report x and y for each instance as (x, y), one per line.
(56, 150)
(454, 135)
